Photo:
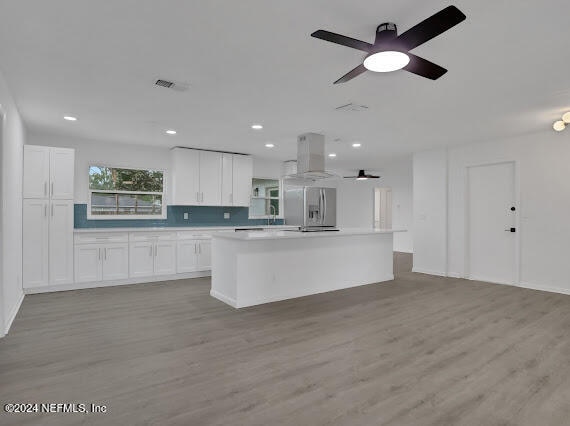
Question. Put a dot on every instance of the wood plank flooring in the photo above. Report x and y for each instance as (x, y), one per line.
(419, 350)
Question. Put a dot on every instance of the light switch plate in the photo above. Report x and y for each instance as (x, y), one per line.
(226, 215)
(186, 216)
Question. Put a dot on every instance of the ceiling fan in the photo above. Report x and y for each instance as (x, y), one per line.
(362, 175)
(391, 52)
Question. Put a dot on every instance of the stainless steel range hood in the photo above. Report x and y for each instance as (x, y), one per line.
(311, 158)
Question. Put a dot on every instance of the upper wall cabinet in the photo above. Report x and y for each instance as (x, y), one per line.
(206, 178)
(48, 172)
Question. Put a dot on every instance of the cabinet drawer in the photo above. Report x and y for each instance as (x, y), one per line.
(152, 236)
(103, 238)
(194, 235)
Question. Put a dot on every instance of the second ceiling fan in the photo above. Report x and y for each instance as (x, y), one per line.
(391, 52)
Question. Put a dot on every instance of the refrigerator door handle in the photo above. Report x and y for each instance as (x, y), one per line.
(324, 207)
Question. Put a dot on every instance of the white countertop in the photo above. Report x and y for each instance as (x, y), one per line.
(281, 234)
(180, 228)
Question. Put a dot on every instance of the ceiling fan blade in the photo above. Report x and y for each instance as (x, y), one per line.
(351, 74)
(431, 27)
(424, 68)
(342, 40)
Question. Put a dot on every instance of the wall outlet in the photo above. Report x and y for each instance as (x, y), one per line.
(226, 215)
(186, 215)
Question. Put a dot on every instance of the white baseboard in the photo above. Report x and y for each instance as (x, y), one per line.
(531, 286)
(403, 251)
(112, 283)
(12, 315)
(428, 272)
(455, 275)
(227, 300)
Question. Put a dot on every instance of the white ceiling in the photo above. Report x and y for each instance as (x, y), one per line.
(253, 61)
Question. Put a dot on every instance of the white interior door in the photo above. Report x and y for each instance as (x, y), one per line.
(383, 208)
(491, 223)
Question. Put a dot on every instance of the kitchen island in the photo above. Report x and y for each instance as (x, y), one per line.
(251, 268)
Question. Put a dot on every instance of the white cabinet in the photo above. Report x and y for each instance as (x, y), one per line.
(101, 257)
(47, 215)
(35, 243)
(196, 177)
(194, 252)
(237, 173)
(152, 254)
(60, 242)
(242, 176)
(206, 178)
(48, 172)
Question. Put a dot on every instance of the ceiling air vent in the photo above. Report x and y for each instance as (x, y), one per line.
(173, 85)
(352, 107)
(164, 83)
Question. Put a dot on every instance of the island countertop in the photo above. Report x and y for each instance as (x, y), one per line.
(282, 234)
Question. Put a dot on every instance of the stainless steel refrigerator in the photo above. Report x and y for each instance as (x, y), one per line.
(311, 208)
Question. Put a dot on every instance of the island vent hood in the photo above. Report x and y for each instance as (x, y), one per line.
(311, 158)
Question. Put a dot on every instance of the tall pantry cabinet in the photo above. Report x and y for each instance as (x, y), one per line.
(48, 216)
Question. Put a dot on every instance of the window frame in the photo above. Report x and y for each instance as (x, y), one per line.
(163, 214)
(280, 198)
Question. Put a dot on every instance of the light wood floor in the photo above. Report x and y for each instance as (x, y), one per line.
(419, 350)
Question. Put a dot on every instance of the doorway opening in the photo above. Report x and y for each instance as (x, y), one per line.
(382, 208)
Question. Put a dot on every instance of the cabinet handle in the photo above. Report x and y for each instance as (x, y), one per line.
(195, 249)
(105, 253)
(52, 189)
(155, 250)
(150, 254)
(45, 210)
(45, 188)
(98, 254)
(200, 248)
(52, 210)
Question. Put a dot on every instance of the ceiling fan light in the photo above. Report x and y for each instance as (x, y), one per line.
(566, 117)
(559, 125)
(386, 61)
(361, 178)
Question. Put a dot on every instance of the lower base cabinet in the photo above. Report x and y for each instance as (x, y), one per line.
(101, 257)
(194, 255)
(152, 254)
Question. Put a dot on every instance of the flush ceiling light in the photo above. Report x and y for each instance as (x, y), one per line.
(559, 125)
(269, 145)
(566, 117)
(171, 132)
(69, 118)
(356, 145)
(256, 126)
(332, 155)
(386, 61)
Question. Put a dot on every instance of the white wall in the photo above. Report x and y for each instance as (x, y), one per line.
(430, 211)
(11, 157)
(544, 182)
(356, 202)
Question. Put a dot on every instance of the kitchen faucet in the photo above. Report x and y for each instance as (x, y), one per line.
(271, 209)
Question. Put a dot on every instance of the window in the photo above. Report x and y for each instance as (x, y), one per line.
(266, 198)
(117, 193)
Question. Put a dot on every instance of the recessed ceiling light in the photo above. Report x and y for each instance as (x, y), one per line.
(332, 155)
(356, 145)
(559, 125)
(269, 145)
(386, 61)
(256, 126)
(69, 118)
(566, 117)
(171, 132)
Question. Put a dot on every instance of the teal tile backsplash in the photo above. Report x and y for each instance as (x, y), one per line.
(198, 216)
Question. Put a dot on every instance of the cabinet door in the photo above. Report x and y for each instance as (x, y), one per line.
(164, 257)
(115, 261)
(204, 255)
(88, 265)
(36, 171)
(35, 242)
(187, 254)
(185, 176)
(61, 242)
(243, 173)
(141, 259)
(62, 170)
(227, 180)
(210, 178)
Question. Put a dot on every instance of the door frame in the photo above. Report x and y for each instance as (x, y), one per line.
(516, 189)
